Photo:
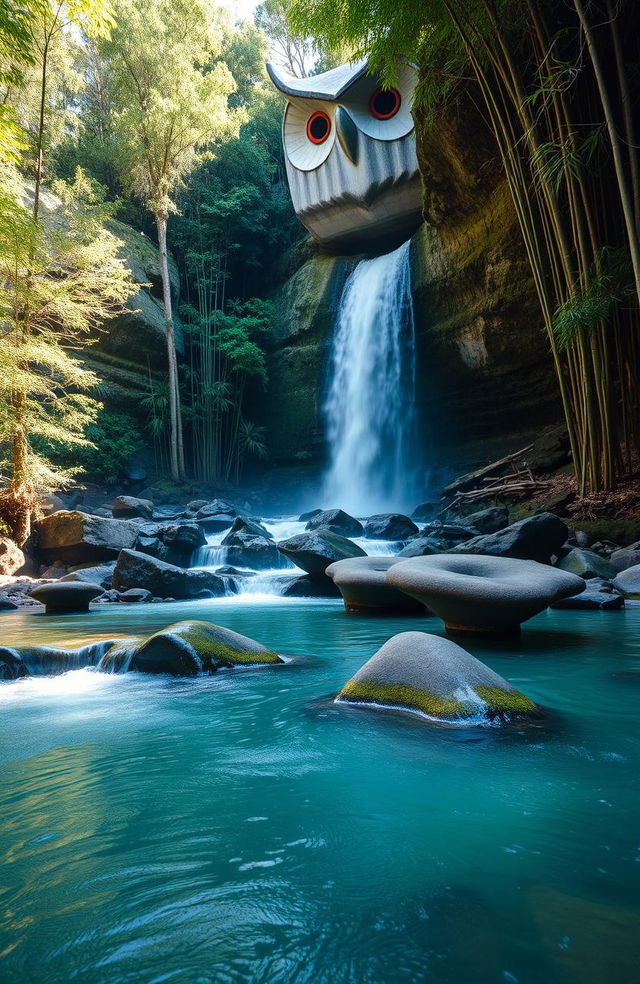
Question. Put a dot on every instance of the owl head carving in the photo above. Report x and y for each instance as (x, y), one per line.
(350, 155)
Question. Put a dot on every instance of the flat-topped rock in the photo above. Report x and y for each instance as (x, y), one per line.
(364, 587)
(433, 677)
(314, 551)
(336, 521)
(66, 596)
(389, 526)
(483, 595)
(77, 538)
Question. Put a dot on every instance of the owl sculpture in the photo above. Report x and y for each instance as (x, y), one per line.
(350, 154)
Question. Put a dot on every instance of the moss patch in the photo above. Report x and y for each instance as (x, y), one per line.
(402, 695)
(214, 649)
(505, 702)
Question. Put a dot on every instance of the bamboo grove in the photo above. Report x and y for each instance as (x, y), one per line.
(546, 77)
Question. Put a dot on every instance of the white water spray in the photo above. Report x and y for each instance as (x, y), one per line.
(370, 404)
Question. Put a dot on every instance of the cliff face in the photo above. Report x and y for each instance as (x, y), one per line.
(485, 381)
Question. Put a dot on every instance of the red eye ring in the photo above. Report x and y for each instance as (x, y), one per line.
(318, 127)
(384, 103)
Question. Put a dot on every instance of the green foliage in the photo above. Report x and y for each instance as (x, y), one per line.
(59, 280)
(611, 283)
(115, 438)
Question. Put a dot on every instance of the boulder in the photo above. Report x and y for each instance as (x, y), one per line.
(451, 533)
(305, 586)
(216, 523)
(628, 582)
(536, 538)
(626, 557)
(336, 521)
(586, 564)
(422, 546)
(215, 508)
(314, 551)
(7, 605)
(426, 675)
(101, 575)
(483, 595)
(69, 596)
(173, 542)
(244, 549)
(138, 570)
(593, 598)
(78, 538)
(488, 520)
(242, 524)
(128, 507)
(11, 556)
(189, 648)
(426, 511)
(389, 526)
(363, 585)
(306, 516)
(134, 596)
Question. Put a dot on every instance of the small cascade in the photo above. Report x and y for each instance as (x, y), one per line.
(370, 403)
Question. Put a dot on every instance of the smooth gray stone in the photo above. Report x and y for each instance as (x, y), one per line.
(364, 587)
(628, 582)
(586, 564)
(482, 595)
(336, 521)
(69, 596)
(428, 675)
(315, 550)
(536, 538)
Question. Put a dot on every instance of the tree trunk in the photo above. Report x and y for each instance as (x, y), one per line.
(172, 362)
(20, 476)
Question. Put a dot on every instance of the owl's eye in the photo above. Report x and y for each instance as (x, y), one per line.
(384, 103)
(318, 127)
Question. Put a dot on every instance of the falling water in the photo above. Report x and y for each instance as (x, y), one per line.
(370, 405)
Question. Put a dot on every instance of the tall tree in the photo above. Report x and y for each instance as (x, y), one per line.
(293, 49)
(172, 95)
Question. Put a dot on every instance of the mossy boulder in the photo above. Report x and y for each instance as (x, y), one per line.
(190, 648)
(433, 677)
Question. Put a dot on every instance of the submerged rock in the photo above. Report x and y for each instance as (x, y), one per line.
(69, 596)
(536, 538)
(389, 526)
(189, 648)
(314, 551)
(77, 538)
(139, 570)
(433, 677)
(336, 521)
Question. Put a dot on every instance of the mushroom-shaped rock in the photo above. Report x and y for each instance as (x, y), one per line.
(364, 587)
(483, 595)
(433, 677)
(189, 648)
(67, 596)
(314, 551)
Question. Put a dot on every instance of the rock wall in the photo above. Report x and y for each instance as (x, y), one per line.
(485, 381)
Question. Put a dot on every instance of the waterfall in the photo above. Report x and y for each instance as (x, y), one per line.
(370, 403)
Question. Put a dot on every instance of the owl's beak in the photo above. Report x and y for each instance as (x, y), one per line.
(347, 133)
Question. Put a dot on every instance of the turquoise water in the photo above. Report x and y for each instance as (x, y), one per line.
(236, 829)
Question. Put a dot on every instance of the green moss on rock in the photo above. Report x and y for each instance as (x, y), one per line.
(509, 703)
(189, 648)
(404, 696)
